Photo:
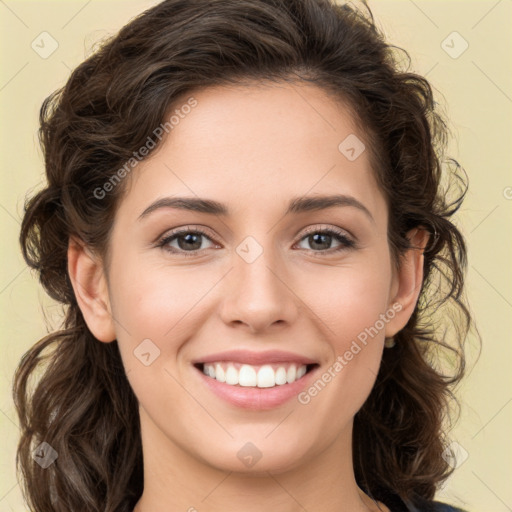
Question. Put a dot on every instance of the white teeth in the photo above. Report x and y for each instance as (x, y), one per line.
(291, 374)
(281, 376)
(231, 375)
(266, 377)
(220, 375)
(246, 375)
(301, 371)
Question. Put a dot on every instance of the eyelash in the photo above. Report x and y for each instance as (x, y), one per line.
(340, 236)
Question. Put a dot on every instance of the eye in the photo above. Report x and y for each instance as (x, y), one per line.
(187, 241)
(321, 239)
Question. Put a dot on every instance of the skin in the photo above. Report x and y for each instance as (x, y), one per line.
(253, 148)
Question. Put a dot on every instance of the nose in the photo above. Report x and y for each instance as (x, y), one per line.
(259, 295)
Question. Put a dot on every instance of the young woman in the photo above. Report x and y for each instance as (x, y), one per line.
(245, 221)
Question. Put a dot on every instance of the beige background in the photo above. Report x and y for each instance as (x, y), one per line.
(474, 88)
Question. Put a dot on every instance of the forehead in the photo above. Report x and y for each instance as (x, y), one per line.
(257, 143)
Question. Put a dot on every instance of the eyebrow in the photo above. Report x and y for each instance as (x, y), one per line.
(296, 205)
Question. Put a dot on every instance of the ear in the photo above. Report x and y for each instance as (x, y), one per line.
(407, 281)
(91, 291)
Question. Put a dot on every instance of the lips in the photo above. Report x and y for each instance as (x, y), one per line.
(256, 380)
(256, 358)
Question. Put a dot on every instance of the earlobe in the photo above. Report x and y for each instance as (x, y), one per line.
(91, 291)
(408, 281)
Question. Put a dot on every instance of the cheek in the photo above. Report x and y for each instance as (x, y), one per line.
(350, 307)
(165, 304)
(156, 313)
(155, 301)
(349, 300)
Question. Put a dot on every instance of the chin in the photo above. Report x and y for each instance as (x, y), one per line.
(257, 457)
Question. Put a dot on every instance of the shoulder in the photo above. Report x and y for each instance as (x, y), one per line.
(436, 506)
(443, 507)
(397, 505)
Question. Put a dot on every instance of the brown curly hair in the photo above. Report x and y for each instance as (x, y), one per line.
(82, 404)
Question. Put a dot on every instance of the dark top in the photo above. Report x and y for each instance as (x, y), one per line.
(396, 504)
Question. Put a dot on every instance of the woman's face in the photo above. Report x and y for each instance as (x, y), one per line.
(269, 286)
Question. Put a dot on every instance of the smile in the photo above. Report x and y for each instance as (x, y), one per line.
(255, 380)
(260, 376)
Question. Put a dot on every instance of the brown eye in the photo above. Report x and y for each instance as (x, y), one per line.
(320, 240)
(188, 242)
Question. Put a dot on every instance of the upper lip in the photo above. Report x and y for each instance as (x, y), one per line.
(256, 358)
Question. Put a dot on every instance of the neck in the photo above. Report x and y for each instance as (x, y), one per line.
(176, 480)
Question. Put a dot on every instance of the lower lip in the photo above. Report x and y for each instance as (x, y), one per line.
(257, 398)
